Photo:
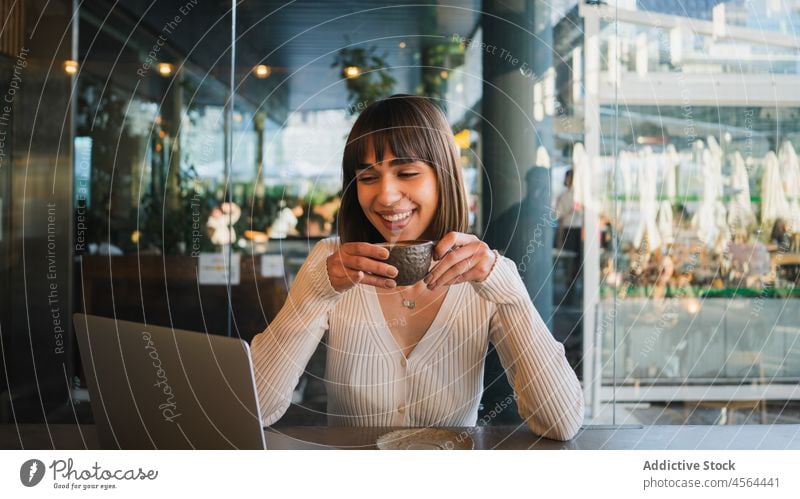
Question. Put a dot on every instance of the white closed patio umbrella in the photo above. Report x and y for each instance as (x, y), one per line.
(709, 220)
(740, 211)
(715, 149)
(669, 191)
(790, 175)
(773, 198)
(627, 213)
(648, 200)
(580, 166)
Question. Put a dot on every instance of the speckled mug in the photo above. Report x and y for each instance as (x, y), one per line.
(412, 259)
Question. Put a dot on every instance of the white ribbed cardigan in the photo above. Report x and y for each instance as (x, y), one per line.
(369, 381)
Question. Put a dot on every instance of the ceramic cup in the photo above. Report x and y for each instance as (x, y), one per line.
(412, 259)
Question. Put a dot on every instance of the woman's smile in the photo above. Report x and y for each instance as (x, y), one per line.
(397, 220)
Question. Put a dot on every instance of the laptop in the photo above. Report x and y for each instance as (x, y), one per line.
(154, 387)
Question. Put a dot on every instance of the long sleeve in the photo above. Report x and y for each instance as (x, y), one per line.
(281, 353)
(549, 395)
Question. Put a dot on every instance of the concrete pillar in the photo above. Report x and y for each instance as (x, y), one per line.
(516, 193)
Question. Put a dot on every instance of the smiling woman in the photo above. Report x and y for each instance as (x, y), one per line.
(394, 364)
(409, 138)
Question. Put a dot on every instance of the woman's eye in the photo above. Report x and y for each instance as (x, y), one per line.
(408, 174)
(365, 179)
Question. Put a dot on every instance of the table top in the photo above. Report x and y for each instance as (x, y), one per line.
(773, 437)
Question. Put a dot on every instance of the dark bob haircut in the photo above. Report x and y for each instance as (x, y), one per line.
(410, 127)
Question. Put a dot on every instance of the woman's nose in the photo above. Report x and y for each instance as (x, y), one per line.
(390, 193)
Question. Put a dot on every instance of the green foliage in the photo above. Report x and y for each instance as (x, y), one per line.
(166, 229)
(258, 209)
(438, 58)
(375, 81)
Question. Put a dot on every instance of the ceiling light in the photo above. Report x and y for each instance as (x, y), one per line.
(352, 72)
(70, 66)
(262, 71)
(165, 69)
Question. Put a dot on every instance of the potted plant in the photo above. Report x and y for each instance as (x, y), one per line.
(367, 76)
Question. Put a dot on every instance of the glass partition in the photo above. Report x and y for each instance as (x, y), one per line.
(695, 178)
(151, 119)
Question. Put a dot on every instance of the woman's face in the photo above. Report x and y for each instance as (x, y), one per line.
(398, 196)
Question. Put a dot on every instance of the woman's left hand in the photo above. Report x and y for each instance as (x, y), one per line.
(462, 258)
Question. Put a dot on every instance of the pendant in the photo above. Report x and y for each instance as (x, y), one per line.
(409, 303)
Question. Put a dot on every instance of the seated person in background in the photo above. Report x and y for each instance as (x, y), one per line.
(780, 233)
(781, 239)
(317, 226)
(569, 235)
(411, 355)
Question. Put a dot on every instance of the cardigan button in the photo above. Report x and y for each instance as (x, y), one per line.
(403, 362)
(401, 408)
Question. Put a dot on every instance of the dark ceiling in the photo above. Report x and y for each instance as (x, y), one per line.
(303, 37)
(300, 39)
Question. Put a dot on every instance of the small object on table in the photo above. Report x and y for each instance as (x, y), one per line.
(425, 439)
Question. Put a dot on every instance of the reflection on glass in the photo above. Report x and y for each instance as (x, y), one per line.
(697, 177)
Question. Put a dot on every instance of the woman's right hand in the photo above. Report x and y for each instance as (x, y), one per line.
(355, 263)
